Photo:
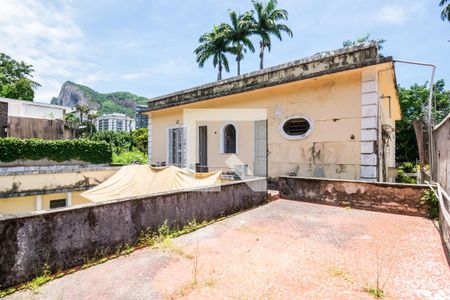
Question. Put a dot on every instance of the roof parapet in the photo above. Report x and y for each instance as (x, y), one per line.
(319, 64)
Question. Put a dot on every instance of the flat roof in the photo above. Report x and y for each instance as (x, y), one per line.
(33, 103)
(323, 63)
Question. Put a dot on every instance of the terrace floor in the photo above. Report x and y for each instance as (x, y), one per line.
(282, 250)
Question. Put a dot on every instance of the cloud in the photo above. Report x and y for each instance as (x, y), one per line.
(394, 14)
(46, 36)
(169, 67)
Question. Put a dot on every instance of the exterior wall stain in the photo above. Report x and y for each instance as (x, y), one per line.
(385, 197)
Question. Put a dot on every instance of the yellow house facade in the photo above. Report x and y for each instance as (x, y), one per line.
(329, 115)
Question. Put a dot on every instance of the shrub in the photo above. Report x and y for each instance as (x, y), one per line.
(119, 140)
(407, 167)
(429, 198)
(130, 157)
(12, 149)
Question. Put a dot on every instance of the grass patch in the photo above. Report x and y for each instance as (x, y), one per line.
(377, 292)
(338, 272)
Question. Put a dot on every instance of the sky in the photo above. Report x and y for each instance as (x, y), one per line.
(146, 47)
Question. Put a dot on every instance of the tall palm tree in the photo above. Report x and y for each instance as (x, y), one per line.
(82, 109)
(214, 45)
(91, 117)
(265, 24)
(238, 34)
(445, 14)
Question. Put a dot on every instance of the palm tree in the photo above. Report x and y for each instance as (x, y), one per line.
(266, 23)
(237, 33)
(445, 14)
(91, 117)
(214, 45)
(82, 109)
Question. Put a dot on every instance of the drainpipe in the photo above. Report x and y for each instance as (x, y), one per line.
(430, 105)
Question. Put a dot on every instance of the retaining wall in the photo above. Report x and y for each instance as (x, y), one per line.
(67, 237)
(385, 197)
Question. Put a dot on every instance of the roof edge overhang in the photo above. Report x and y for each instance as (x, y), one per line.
(161, 103)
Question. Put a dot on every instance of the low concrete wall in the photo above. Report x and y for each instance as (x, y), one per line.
(67, 237)
(385, 197)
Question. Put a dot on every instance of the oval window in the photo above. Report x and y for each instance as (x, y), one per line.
(296, 128)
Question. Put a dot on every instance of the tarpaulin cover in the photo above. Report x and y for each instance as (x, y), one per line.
(140, 180)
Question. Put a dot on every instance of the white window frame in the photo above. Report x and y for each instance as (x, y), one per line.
(222, 135)
(296, 137)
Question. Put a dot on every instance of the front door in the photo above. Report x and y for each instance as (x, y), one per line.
(260, 145)
(203, 149)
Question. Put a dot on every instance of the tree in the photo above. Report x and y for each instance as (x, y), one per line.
(413, 104)
(265, 24)
(364, 39)
(237, 32)
(140, 139)
(214, 45)
(15, 79)
(82, 109)
(445, 14)
(91, 117)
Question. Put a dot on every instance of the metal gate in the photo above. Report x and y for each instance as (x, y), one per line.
(260, 148)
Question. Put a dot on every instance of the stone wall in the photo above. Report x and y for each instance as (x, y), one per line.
(385, 197)
(27, 128)
(65, 238)
(441, 165)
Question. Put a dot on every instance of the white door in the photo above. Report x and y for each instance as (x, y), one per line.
(260, 148)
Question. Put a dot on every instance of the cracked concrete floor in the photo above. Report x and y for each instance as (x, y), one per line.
(282, 250)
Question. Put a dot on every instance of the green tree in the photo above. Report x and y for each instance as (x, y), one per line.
(15, 79)
(445, 14)
(214, 45)
(266, 23)
(120, 141)
(237, 32)
(413, 104)
(83, 110)
(140, 139)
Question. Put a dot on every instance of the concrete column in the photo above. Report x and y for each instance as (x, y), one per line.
(38, 201)
(69, 199)
(150, 138)
(369, 125)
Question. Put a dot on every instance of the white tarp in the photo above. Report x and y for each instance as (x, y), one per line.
(140, 180)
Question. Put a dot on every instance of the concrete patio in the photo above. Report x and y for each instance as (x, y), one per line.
(282, 250)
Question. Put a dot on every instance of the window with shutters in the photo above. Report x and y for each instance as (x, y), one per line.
(297, 127)
(177, 146)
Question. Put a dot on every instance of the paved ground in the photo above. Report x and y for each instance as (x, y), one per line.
(283, 250)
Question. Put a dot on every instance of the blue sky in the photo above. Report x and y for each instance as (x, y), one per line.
(146, 47)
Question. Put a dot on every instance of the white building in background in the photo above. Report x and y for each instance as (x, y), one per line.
(31, 109)
(115, 122)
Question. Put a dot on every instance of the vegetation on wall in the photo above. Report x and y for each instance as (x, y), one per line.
(15, 79)
(12, 149)
(413, 104)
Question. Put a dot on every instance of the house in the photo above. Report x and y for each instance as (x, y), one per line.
(329, 115)
(115, 122)
(28, 119)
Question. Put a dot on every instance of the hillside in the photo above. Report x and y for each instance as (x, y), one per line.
(73, 94)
